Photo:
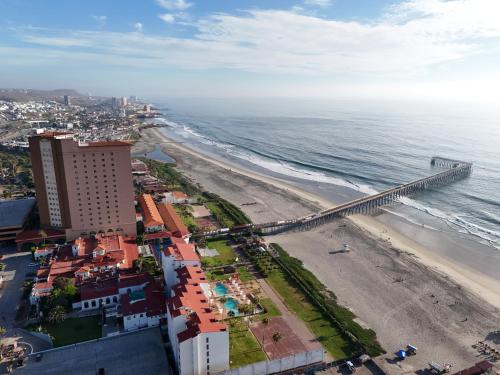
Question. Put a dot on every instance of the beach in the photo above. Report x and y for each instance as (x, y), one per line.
(406, 292)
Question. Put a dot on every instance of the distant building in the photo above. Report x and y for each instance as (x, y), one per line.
(83, 188)
(177, 197)
(114, 102)
(67, 100)
(124, 101)
(14, 215)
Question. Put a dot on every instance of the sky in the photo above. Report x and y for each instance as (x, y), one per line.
(430, 49)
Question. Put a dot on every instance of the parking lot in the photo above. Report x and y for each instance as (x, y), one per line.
(139, 352)
(11, 291)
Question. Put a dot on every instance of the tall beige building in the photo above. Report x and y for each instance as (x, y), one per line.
(83, 188)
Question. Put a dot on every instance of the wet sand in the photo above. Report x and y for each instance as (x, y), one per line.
(401, 289)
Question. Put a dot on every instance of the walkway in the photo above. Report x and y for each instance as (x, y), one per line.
(297, 325)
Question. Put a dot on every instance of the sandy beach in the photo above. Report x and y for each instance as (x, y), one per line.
(403, 290)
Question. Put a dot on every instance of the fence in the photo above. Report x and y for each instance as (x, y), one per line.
(278, 365)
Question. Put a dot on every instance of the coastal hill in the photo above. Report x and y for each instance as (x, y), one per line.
(25, 95)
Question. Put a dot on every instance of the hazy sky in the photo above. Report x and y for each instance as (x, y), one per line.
(443, 49)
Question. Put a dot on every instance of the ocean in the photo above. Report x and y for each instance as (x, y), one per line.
(362, 146)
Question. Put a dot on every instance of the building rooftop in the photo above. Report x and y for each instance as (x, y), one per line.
(151, 216)
(151, 301)
(13, 213)
(182, 251)
(172, 220)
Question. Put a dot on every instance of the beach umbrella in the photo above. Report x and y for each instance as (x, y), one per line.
(401, 354)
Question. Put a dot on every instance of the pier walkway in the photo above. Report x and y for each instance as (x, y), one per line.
(455, 170)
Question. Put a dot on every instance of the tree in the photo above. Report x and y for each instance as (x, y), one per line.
(3, 331)
(265, 321)
(57, 315)
(277, 336)
(141, 239)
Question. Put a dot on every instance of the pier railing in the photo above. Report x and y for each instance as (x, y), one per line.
(457, 170)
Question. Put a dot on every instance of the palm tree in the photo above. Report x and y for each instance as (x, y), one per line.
(57, 314)
(277, 336)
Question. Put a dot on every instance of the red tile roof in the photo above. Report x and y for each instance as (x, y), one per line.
(154, 303)
(152, 217)
(157, 235)
(117, 248)
(102, 289)
(36, 235)
(172, 220)
(190, 301)
(109, 143)
(182, 251)
(191, 274)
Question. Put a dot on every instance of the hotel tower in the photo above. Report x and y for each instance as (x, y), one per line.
(83, 188)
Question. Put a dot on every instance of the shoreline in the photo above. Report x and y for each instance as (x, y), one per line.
(404, 297)
(483, 286)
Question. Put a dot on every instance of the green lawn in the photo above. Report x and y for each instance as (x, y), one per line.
(217, 275)
(271, 309)
(218, 213)
(226, 255)
(245, 275)
(74, 330)
(243, 346)
(337, 344)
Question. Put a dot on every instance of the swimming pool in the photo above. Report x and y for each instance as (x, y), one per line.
(232, 305)
(220, 289)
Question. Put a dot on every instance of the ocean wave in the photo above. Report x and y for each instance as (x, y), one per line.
(457, 222)
(287, 168)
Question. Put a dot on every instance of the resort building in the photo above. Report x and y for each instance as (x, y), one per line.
(83, 188)
(176, 197)
(173, 221)
(176, 256)
(86, 260)
(14, 215)
(200, 342)
(143, 308)
(152, 220)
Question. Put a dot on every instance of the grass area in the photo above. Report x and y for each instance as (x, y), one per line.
(271, 309)
(171, 177)
(313, 302)
(243, 346)
(332, 339)
(187, 217)
(217, 275)
(245, 274)
(226, 254)
(73, 330)
(226, 213)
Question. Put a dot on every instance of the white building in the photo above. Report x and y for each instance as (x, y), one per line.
(143, 308)
(176, 256)
(177, 197)
(200, 343)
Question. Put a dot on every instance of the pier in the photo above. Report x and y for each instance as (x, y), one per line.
(455, 170)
